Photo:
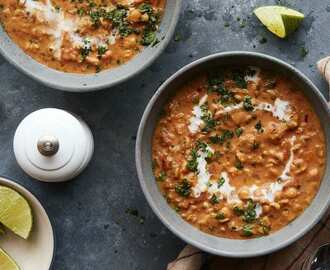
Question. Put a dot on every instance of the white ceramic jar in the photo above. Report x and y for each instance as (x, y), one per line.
(53, 145)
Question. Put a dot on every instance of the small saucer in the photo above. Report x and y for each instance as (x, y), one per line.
(38, 251)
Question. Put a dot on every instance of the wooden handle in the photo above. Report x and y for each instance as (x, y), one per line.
(324, 67)
(190, 258)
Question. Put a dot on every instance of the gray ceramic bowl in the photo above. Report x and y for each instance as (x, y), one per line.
(88, 82)
(206, 242)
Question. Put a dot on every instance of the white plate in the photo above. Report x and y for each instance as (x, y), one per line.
(37, 252)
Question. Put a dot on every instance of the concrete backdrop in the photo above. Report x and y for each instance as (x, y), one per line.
(93, 228)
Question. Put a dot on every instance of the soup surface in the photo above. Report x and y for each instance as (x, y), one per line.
(239, 153)
(82, 36)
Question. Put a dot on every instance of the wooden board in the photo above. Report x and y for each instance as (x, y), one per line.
(290, 258)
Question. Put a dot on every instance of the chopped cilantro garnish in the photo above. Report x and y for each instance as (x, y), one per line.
(247, 230)
(85, 49)
(238, 210)
(303, 52)
(238, 164)
(247, 104)
(201, 145)
(98, 69)
(146, 8)
(220, 216)
(161, 177)
(250, 212)
(227, 98)
(255, 145)
(91, 4)
(96, 16)
(265, 227)
(214, 199)
(209, 122)
(101, 49)
(125, 30)
(177, 209)
(133, 212)
(239, 79)
(239, 131)
(221, 181)
(183, 188)
(192, 161)
(216, 85)
(177, 37)
(118, 18)
(226, 135)
(259, 127)
(81, 12)
(149, 38)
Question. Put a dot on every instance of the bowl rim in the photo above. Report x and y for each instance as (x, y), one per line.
(139, 167)
(10, 182)
(52, 77)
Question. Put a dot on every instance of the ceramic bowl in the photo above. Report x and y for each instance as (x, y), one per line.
(206, 242)
(38, 251)
(88, 82)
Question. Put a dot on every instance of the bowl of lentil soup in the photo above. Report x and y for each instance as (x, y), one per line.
(84, 45)
(231, 154)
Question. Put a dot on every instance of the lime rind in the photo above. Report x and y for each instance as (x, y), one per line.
(6, 262)
(280, 20)
(15, 212)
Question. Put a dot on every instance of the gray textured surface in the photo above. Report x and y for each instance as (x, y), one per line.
(93, 231)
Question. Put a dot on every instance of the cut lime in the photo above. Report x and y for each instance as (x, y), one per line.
(15, 212)
(7, 263)
(280, 20)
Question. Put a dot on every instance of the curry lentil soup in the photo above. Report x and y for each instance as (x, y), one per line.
(239, 153)
(82, 36)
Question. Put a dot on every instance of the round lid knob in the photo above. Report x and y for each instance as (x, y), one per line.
(53, 145)
(48, 145)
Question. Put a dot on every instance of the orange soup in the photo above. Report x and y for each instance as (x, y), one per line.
(82, 36)
(239, 153)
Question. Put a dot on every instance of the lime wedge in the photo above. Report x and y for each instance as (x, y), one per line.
(280, 20)
(15, 212)
(7, 263)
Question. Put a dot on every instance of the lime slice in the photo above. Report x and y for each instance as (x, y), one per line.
(280, 20)
(7, 263)
(15, 212)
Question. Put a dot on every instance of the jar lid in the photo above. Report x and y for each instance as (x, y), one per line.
(53, 145)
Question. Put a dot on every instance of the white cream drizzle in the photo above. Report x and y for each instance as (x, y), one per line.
(196, 120)
(285, 176)
(231, 108)
(280, 110)
(228, 192)
(59, 24)
(225, 190)
(203, 176)
(258, 210)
